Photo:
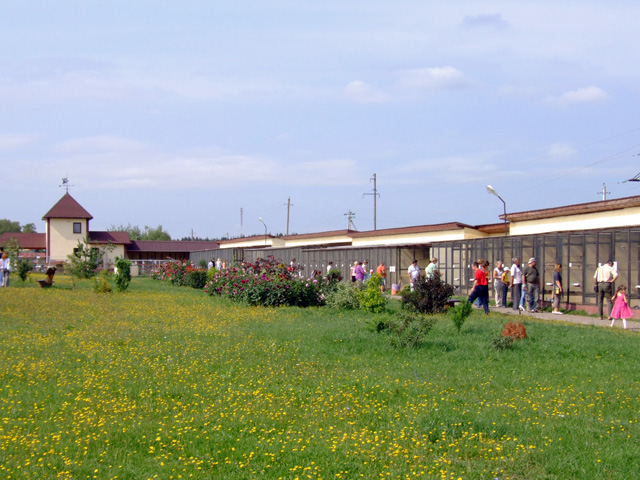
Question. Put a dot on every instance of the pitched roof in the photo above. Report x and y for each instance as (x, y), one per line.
(31, 241)
(170, 246)
(119, 238)
(67, 207)
(408, 230)
(577, 209)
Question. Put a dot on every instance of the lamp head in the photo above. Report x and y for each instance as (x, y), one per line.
(491, 190)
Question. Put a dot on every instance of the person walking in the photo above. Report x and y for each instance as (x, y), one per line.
(480, 289)
(516, 283)
(621, 308)
(497, 283)
(604, 277)
(532, 281)
(330, 266)
(556, 289)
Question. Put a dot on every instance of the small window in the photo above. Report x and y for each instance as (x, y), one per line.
(77, 227)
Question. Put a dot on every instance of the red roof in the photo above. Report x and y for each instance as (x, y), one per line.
(174, 246)
(30, 241)
(119, 238)
(67, 207)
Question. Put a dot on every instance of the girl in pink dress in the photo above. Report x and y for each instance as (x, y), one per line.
(621, 308)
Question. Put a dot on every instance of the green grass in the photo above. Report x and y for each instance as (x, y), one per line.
(163, 382)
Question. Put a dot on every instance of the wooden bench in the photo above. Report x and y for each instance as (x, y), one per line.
(47, 282)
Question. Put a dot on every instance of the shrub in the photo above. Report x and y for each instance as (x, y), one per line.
(516, 330)
(196, 278)
(429, 295)
(268, 282)
(84, 261)
(502, 343)
(344, 296)
(408, 330)
(459, 314)
(371, 298)
(24, 267)
(101, 283)
(122, 277)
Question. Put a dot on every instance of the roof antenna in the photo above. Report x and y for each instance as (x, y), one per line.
(65, 183)
(603, 192)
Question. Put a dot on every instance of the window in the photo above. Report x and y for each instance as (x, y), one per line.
(77, 227)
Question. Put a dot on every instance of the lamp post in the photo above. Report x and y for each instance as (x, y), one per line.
(493, 192)
(265, 230)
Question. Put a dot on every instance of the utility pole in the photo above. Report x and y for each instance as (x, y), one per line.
(350, 216)
(375, 196)
(289, 205)
(241, 212)
(603, 192)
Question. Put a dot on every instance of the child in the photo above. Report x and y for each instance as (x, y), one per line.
(621, 308)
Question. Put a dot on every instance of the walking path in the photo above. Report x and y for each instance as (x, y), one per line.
(632, 324)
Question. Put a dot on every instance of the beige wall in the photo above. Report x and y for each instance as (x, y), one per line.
(109, 254)
(339, 239)
(610, 219)
(416, 238)
(61, 239)
(254, 243)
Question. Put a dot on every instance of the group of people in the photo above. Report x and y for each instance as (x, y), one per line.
(604, 277)
(524, 283)
(5, 268)
(217, 264)
(360, 272)
(429, 271)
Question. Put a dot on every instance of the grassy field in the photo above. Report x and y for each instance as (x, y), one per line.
(168, 383)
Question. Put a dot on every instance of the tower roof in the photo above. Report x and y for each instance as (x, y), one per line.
(67, 207)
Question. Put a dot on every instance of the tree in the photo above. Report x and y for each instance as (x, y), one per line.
(7, 225)
(135, 233)
(83, 261)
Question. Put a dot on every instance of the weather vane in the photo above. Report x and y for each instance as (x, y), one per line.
(65, 183)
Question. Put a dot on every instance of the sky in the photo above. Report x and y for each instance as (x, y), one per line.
(204, 116)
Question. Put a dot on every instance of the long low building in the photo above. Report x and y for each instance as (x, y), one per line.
(580, 237)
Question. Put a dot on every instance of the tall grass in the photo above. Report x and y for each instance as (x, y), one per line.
(163, 382)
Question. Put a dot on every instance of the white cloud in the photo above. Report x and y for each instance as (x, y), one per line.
(581, 95)
(432, 78)
(361, 92)
(116, 163)
(561, 149)
(9, 141)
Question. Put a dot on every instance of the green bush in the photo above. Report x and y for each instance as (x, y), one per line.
(371, 297)
(101, 283)
(459, 314)
(24, 267)
(408, 330)
(429, 295)
(344, 296)
(122, 277)
(503, 343)
(196, 278)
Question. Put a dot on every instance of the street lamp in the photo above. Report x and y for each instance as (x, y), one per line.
(265, 230)
(493, 192)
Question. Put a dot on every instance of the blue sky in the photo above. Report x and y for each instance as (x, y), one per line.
(182, 113)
